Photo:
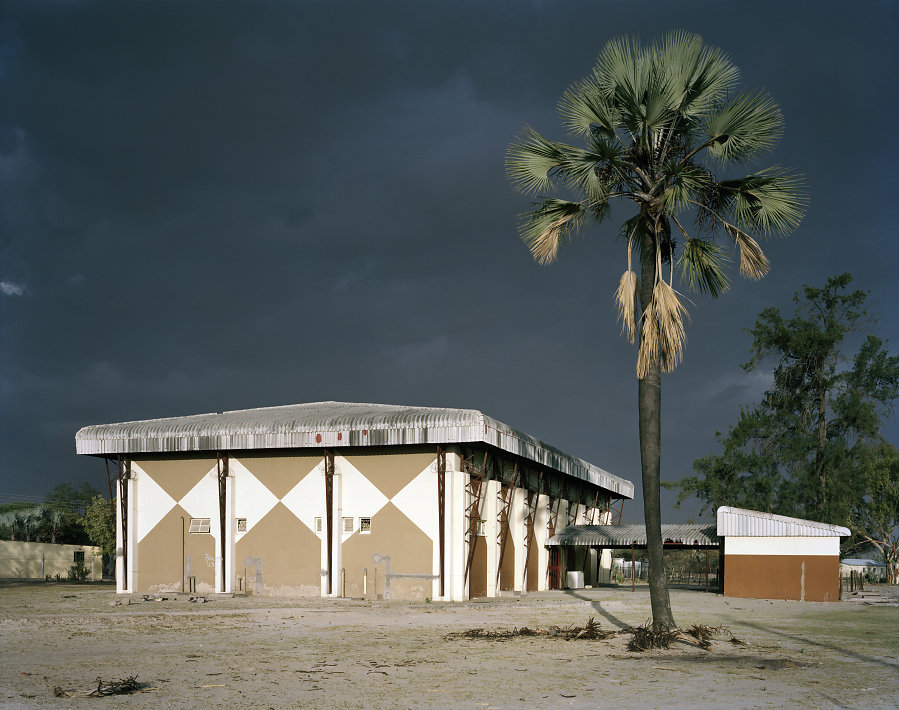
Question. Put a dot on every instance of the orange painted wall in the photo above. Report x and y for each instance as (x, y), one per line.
(782, 577)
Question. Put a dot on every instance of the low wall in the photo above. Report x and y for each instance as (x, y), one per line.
(36, 560)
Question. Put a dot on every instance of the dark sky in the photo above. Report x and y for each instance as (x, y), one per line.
(210, 206)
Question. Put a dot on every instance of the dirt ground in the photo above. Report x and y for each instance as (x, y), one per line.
(260, 652)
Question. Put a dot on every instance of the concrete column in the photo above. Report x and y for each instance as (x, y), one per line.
(231, 530)
(337, 553)
(456, 526)
(605, 567)
(324, 534)
(489, 514)
(540, 535)
(517, 534)
(119, 571)
(228, 532)
(131, 483)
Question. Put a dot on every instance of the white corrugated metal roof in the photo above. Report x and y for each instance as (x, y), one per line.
(334, 424)
(623, 536)
(753, 523)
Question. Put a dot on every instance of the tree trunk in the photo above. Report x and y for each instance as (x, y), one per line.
(649, 405)
(822, 444)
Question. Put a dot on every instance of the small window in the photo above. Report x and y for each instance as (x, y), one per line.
(481, 530)
(241, 525)
(199, 525)
(79, 557)
(318, 525)
(365, 525)
(348, 525)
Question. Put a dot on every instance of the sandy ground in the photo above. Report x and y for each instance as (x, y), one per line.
(261, 652)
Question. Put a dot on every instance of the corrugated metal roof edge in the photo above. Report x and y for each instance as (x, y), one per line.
(725, 511)
(105, 442)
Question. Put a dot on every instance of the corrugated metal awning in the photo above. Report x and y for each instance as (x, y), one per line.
(334, 424)
(740, 522)
(622, 536)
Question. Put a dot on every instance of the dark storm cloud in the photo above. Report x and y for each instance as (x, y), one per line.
(216, 206)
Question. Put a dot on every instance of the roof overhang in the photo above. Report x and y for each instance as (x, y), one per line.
(627, 536)
(334, 424)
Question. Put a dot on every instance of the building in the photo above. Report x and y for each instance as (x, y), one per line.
(40, 560)
(342, 499)
(762, 555)
(866, 568)
(769, 556)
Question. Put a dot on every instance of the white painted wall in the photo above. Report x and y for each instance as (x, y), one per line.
(781, 545)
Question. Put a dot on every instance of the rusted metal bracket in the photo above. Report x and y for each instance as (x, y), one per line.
(505, 496)
(475, 487)
(576, 499)
(593, 508)
(441, 512)
(109, 483)
(124, 474)
(329, 504)
(222, 471)
(532, 502)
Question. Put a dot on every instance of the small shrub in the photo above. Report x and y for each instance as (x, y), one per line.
(78, 573)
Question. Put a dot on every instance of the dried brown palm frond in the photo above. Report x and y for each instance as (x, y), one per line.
(649, 636)
(672, 316)
(648, 351)
(753, 262)
(626, 298)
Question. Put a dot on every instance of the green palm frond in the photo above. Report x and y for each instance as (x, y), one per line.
(772, 200)
(685, 182)
(529, 161)
(702, 75)
(585, 110)
(701, 266)
(546, 228)
(743, 127)
(579, 169)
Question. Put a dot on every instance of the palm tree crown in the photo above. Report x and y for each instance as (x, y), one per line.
(659, 124)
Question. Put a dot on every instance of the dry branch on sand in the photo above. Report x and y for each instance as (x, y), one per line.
(104, 688)
(643, 638)
(591, 631)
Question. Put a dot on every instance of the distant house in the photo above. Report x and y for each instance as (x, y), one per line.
(38, 560)
(865, 567)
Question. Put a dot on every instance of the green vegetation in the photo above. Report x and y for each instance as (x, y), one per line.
(660, 125)
(99, 524)
(61, 518)
(812, 448)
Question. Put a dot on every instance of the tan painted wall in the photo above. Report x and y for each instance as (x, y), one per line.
(391, 472)
(410, 551)
(22, 560)
(161, 567)
(161, 564)
(811, 578)
(280, 556)
(177, 476)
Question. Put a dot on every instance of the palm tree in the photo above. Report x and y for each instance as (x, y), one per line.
(660, 124)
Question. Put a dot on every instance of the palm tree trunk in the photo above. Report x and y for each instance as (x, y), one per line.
(649, 405)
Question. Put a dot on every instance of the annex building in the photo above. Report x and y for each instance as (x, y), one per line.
(344, 499)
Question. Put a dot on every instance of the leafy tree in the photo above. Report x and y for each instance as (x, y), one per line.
(801, 450)
(71, 499)
(660, 126)
(99, 523)
(875, 515)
